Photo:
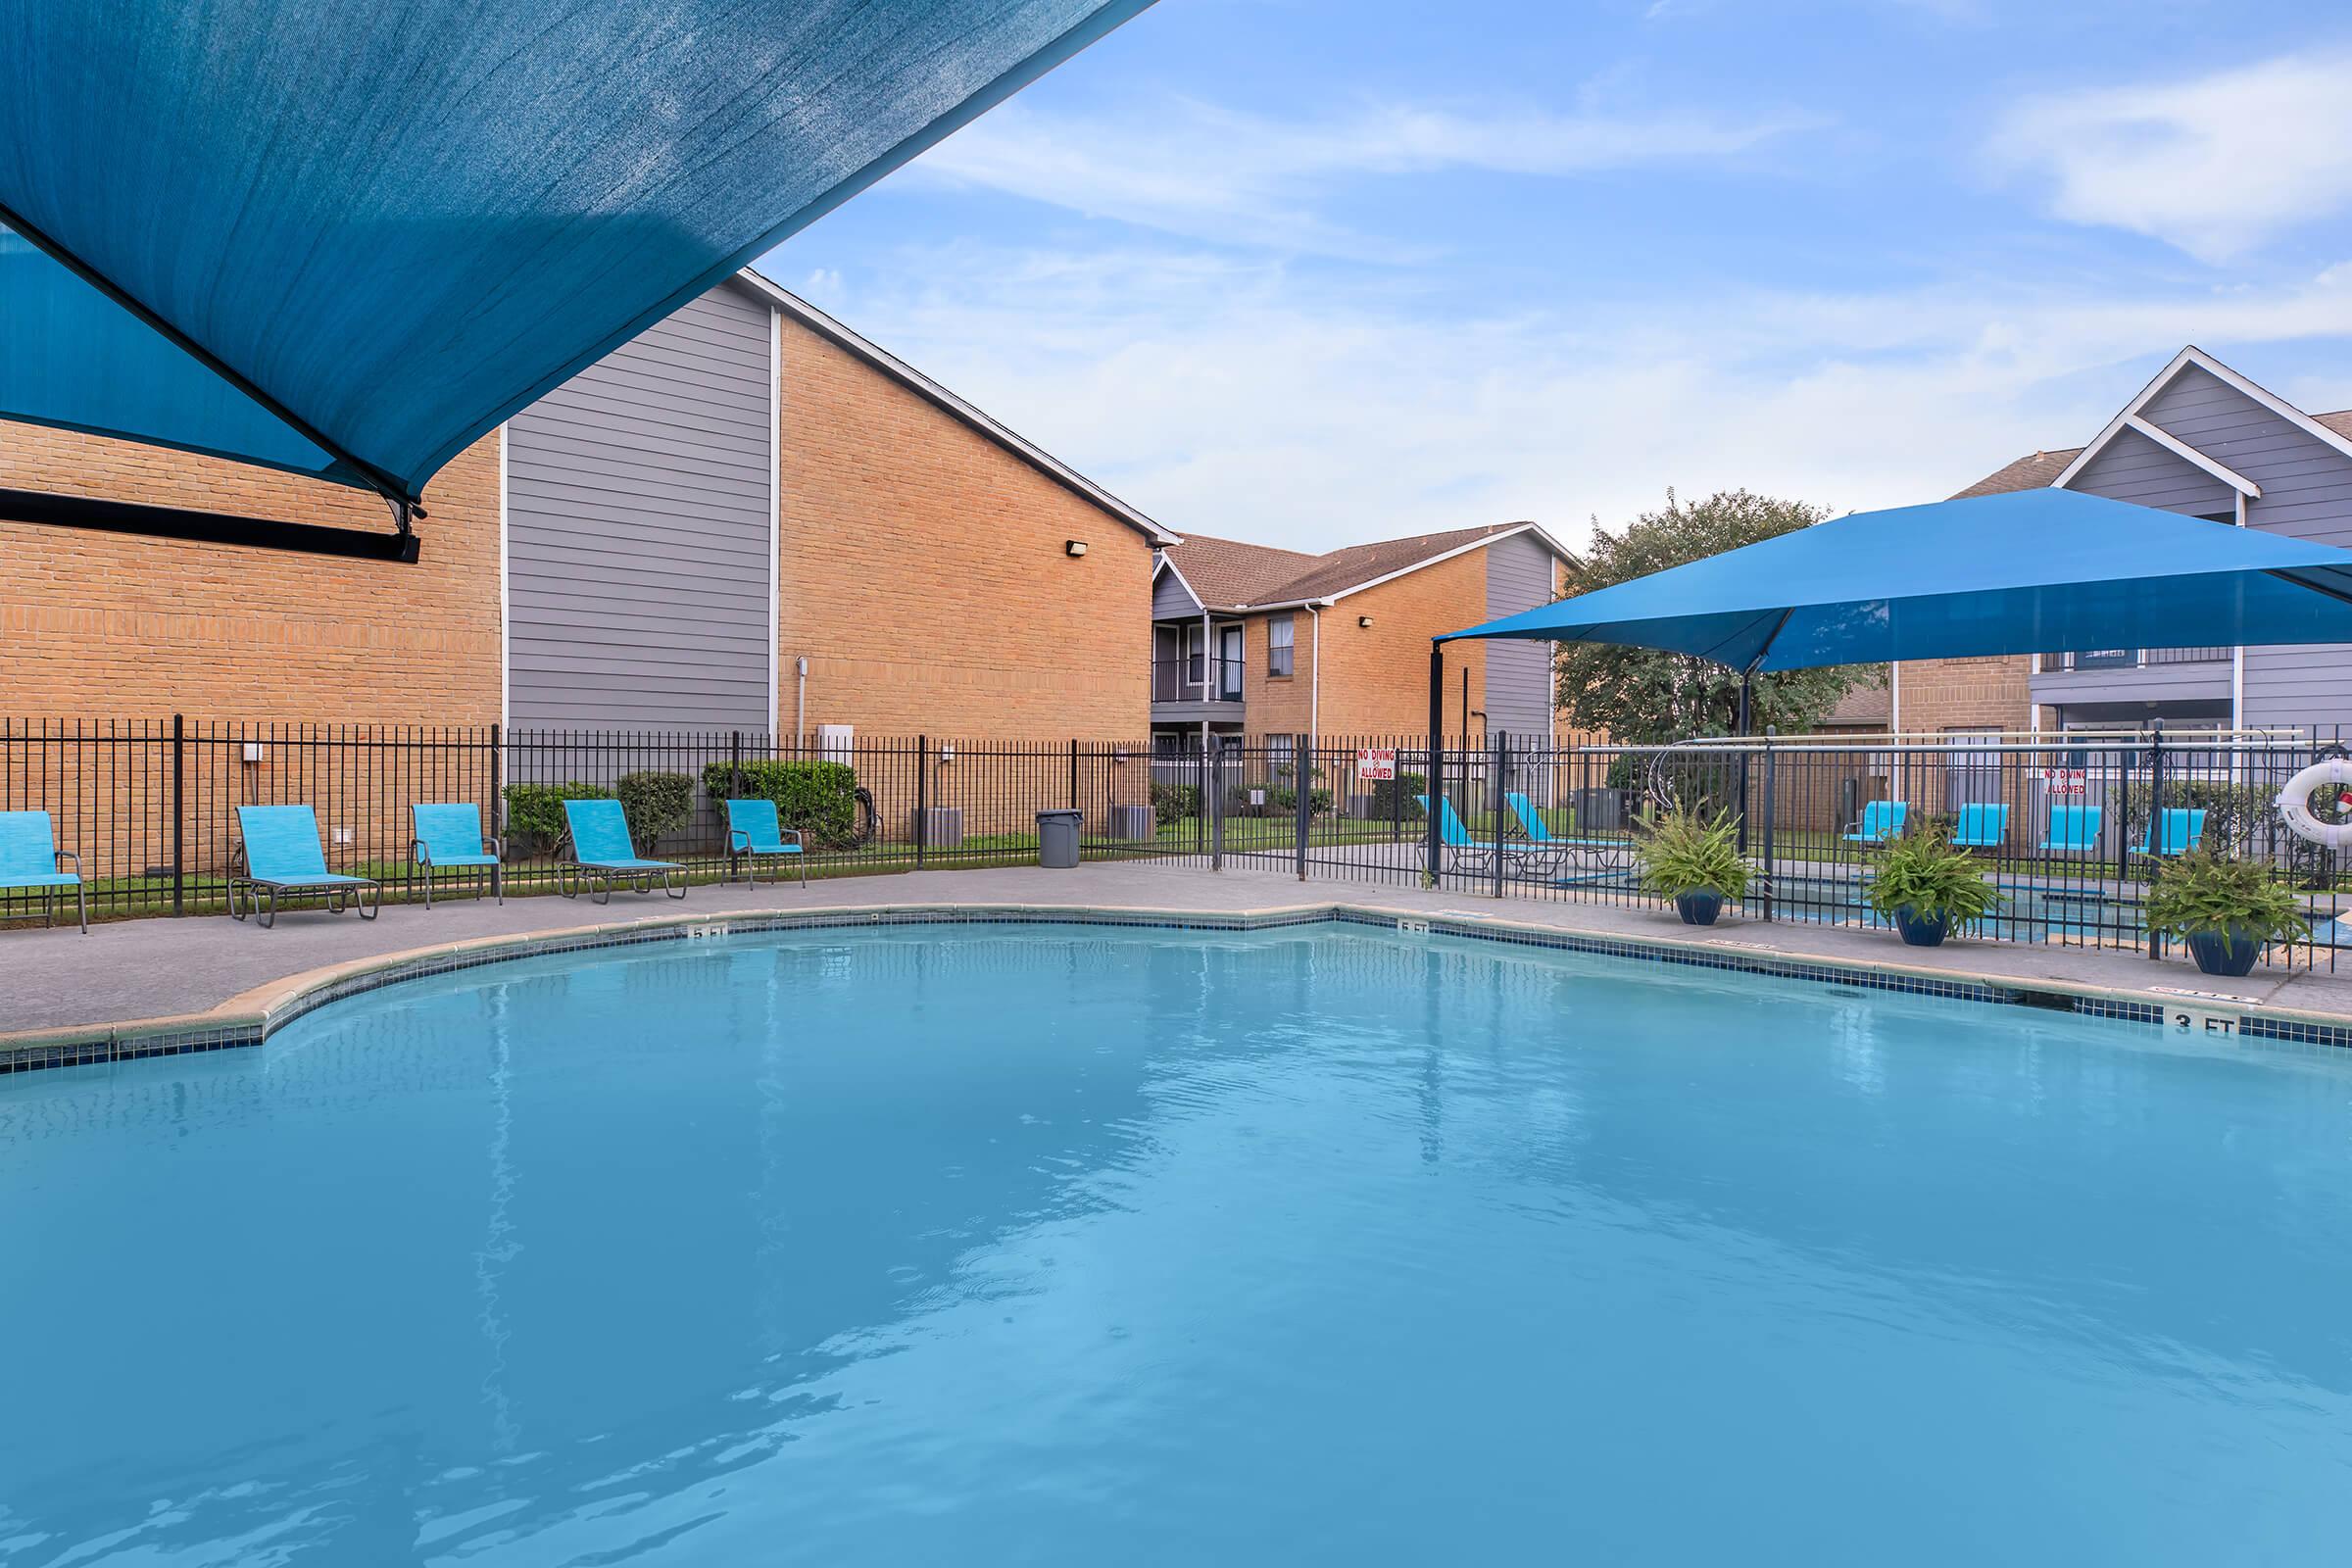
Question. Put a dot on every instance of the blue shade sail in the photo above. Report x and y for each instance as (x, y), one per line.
(2025, 572)
(347, 239)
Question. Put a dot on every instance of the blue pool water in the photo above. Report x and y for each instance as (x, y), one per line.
(1079, 1245)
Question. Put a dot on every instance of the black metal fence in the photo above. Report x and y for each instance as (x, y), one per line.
(149, 807)
(2071, 829)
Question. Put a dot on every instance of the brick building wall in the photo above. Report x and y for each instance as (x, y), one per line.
(924, 576)
(1967, 694)
(104, 624)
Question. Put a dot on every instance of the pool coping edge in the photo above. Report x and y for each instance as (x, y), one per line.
(251, 1016)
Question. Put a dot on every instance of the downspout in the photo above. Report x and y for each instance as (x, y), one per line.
(2238, 654)
(800, 713)
(1315, 684)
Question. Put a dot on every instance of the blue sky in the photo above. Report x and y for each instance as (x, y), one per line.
(1307, 273)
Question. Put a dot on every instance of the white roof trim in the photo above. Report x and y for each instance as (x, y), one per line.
(2192, 355)
(2191, 456)
(1168, 563)
(1337, 593)
(898, 369)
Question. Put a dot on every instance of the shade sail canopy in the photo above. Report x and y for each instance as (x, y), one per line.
(2030, 571)
(347, 239)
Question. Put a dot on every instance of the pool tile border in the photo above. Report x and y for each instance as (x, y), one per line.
(249, 1019)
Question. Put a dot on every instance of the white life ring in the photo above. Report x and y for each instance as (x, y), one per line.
(2294, 802)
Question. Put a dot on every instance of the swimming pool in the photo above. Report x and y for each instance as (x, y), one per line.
(1089, 1245)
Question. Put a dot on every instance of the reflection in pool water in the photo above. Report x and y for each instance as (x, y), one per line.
(1093, 1246)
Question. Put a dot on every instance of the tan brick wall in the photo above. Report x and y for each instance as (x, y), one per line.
(924, 575)
(1990, 693)
(1376, 677)
(100, 624)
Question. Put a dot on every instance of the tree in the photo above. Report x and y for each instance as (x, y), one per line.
(1645, 698)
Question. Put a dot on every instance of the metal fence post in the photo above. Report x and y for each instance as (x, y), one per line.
(1074, 805)
(2159, 840)
(1215, 804)
(1770, 767)
(1499, 760)
(922, 796)
(1303, 782)
(179, 814)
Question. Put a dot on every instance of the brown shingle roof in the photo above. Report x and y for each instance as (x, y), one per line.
(1228, 574)
(1871, 706)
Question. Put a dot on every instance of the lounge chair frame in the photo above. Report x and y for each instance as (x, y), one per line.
(596, 878)
(50, 889)
(739, 849)
(421, 855)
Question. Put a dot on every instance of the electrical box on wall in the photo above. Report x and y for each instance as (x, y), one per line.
(835, 743)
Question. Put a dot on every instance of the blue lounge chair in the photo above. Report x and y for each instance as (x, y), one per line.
(755, 834)
(602, 855)
(2074, 830)
(1881, 821)
(30, 859)
(2174, 831)
(1462, 852)
(1598, 853)
(449, 837)
(1981, 826)
(278, 856)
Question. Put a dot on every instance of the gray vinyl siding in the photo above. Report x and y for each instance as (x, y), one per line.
(1169, 597)
(2306, 494)
(638, 532)
(1519, 576)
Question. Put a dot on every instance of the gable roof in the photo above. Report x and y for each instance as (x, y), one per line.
(1232, 576)
(906, 376)
(2060, 467)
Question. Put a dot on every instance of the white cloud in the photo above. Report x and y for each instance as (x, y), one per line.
(1211, 172)
(1247, 399)
(2216, 166)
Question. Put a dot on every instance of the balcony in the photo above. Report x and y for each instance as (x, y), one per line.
(1197, 690)
(2132, 675)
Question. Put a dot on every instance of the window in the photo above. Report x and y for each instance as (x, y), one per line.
(1280, 632)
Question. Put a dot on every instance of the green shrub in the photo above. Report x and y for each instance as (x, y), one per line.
(819, 799)
(1282, 797)
(1691, 852)
(2203, 892)
(537, 809)
(1392, 797)
(2235, 813)
(656, 803)
(1173, 802)
(1922, 873)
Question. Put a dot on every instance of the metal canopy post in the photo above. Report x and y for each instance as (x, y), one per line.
(1437, 758)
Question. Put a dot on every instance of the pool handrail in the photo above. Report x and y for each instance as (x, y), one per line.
(278, 854)
(597, 834)
(755, 832)
(30, 859)
(449, 837)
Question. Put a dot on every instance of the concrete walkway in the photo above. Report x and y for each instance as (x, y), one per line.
(59, 981)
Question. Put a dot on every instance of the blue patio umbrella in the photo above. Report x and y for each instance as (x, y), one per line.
(2015, 574)
(347, 239)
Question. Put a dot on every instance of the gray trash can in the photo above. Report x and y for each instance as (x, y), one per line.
(1058, 839)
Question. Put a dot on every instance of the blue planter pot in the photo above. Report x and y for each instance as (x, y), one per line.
(1699, 909)
(1920, 931)
(2232, 953)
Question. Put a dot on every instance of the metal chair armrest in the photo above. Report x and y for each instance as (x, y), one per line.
(63, 856)
(421, 853)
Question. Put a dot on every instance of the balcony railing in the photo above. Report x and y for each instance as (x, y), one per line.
(1195, 680)
(2129, 658)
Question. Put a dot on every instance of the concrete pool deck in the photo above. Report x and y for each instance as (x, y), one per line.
(69, 997)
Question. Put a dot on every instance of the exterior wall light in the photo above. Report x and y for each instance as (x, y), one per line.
(1363, 620)
(1074, 546)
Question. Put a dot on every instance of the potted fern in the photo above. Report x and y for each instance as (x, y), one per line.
(1694, 860)
(1927, 888)
(2225, 910)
